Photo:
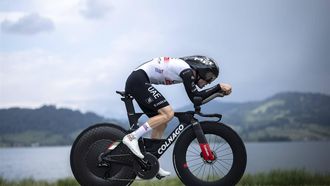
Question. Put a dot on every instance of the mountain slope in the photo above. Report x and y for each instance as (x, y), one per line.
(285, 116)
(47, 125)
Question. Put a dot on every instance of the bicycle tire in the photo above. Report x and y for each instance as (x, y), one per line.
(84, 153)
(185, 140)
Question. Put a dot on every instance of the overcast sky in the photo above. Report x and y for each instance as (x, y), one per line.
(76, 53)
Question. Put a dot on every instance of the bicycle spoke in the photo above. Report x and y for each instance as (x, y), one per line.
(214, 143)
(224, 149)
(227, 159)
(197, 164)
(208, 175)
(194, 159)
(222, 155)
(193, 152)
(219, 169)
(216, 173)
(192, 146)
(196, 141)
(225, 162)
(223, 165)
(215, 170)
(212, 172)
(203, 171)
(200, 170)
(192, 155)
(220, 146)
(211, 139)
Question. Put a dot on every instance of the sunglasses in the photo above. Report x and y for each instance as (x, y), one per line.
(210, 78)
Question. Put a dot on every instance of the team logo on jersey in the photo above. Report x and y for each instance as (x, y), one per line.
(154, 92)
(168, 82)
(185, 72)
(159, 103)
(159, 70)
(166, 59)
(149, 100)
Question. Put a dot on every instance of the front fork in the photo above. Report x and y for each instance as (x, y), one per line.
(203, 143)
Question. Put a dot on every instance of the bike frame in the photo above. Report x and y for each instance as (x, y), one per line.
(186, 120)
(99, 157)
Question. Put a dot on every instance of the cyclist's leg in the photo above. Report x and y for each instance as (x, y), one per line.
(149, 99)
(159, 122)
(159, 113)
(158, 130)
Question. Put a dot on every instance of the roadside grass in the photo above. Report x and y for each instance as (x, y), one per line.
(286, 177)
(272, 178)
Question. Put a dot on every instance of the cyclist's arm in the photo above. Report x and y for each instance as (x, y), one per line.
(188, 78)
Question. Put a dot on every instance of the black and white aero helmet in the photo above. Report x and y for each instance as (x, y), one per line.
(206, 68)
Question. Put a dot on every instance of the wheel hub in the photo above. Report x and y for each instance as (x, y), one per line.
(210, 161)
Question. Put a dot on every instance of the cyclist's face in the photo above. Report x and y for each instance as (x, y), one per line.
(201, 83)
(209, 78)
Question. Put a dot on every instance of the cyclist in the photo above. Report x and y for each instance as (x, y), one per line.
(190, 70)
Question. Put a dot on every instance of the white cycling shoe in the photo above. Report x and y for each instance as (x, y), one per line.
(163, 173)
(132, 143)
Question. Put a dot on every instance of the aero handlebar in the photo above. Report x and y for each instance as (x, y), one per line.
(199, 101)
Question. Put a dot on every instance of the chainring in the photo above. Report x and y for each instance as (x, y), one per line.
(149, 168)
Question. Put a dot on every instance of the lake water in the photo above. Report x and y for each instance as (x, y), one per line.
(51, 163)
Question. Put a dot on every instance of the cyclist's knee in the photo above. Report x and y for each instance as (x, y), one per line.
(167, 113)
(168, 116)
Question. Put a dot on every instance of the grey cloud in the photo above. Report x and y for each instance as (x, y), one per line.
(28, 25)
(95, 9)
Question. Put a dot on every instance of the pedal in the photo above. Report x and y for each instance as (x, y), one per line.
(159, 176)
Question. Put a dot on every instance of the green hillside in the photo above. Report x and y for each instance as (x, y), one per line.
(47, 125)
(285, 116)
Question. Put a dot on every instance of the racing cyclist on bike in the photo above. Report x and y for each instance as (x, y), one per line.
(190, 70)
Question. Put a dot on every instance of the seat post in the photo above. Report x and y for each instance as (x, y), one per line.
(133, 117)
(128, 100)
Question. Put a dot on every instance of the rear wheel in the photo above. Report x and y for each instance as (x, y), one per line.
(230, 157)
(85, 152)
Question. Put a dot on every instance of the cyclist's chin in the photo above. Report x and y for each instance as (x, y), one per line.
(200, 86)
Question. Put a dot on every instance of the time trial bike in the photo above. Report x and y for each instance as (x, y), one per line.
(207, 153)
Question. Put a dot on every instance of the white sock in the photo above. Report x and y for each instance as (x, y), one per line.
(141, 130)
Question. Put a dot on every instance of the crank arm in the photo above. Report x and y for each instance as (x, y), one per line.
(106, 162)
(110, 159)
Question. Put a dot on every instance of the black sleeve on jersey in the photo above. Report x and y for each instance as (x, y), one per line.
(188, 78)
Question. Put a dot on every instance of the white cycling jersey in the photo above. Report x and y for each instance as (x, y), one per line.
(164, 70)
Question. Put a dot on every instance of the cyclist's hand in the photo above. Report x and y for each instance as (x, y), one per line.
(225, 88)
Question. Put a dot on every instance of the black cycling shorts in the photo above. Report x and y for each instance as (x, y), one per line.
(148, 97)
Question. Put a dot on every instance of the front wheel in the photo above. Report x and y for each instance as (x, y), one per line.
(229, 151)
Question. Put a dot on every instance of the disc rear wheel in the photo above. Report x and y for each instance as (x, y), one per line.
(85, 153)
